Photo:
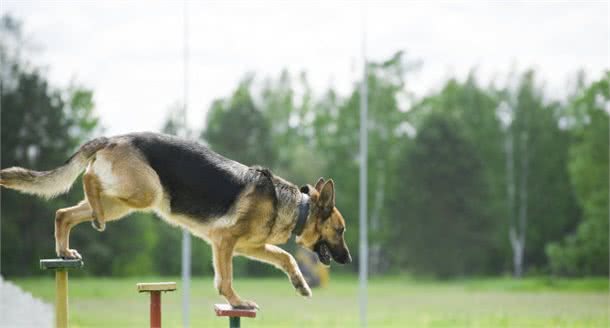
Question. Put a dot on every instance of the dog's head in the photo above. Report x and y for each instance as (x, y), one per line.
(325, 233)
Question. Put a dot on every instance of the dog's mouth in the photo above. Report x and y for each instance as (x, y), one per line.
(323, 252)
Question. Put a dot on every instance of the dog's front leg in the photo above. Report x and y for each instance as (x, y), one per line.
(282, 260)
(223, 274)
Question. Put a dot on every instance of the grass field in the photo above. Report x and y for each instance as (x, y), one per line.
(393, 302)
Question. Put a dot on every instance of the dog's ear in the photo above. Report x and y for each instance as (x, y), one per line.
(319, 184)
(327, 195)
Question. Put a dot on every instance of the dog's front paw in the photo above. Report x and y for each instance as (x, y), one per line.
(244, 304)
(301, 286)
(303, 289)
(70, 254)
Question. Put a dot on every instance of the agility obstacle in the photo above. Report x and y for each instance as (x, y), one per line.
(235, 315)
(61, 267)
(155, 289)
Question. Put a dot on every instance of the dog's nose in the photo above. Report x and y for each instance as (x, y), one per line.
(346, 259)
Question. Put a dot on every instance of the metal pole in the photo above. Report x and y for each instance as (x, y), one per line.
(185, 86)
(186, 276)
(234, 322)
(608, 112)
(363, 274)
(186, 237)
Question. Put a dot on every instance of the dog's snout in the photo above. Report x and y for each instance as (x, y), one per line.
(347, 259)
(344, 258)
(340, 253)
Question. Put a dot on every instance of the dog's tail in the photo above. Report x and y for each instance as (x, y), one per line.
(51, 183)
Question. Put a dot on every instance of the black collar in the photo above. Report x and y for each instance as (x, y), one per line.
(303, 214)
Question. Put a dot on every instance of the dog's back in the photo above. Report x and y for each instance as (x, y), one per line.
(199, 182)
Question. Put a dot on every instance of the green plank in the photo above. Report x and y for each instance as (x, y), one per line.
(60, 264)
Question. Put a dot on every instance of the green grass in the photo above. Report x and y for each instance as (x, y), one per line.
(393, 302)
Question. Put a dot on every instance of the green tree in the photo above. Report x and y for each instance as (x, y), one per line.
(442, 224)
(585, 252)
(544, 207)
(290, 116)
(237, 129)
(473, 107)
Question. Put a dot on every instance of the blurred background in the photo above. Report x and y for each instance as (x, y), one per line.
(488, 149)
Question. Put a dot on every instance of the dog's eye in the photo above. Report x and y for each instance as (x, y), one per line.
(340, 230)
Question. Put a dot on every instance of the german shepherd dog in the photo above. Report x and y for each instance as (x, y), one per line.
(237, 209)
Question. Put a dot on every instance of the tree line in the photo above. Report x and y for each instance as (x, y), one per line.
(470, 179)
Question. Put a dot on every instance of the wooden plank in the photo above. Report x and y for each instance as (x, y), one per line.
(226, 310)
(156, 286)
(60, 264)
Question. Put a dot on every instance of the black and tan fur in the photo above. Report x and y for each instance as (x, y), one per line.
(237, 209)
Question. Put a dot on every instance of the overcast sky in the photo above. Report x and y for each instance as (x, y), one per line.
(130, 52)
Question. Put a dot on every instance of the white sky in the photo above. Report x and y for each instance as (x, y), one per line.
(130, 53)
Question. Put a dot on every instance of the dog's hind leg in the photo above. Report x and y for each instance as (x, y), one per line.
(282, 260)
(120, 175)
(223, 270)
(93, 190)
(67, 218)
(137, 189)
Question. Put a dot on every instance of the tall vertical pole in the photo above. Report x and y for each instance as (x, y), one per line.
(186, 277)
(607, 109)
(186, 237)
(608, 112)
(364, 254)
